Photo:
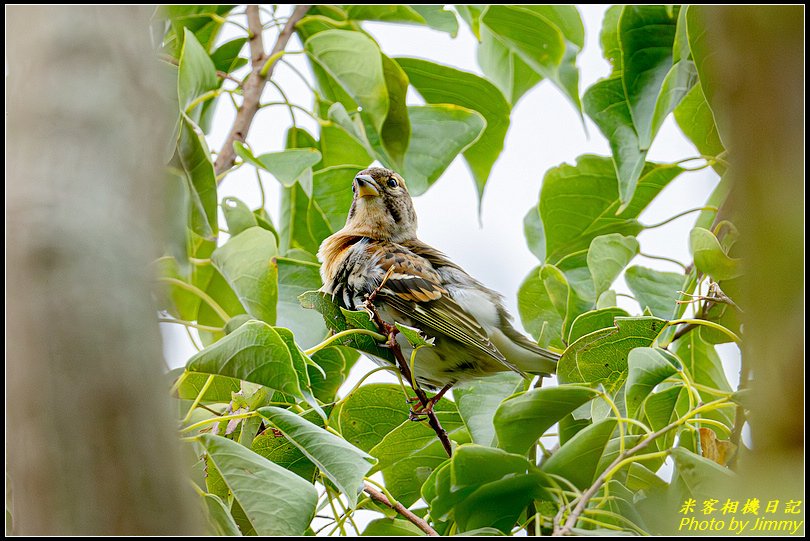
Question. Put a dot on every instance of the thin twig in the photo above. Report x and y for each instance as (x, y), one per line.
(586, 496)
(379, 497)
(254, 83)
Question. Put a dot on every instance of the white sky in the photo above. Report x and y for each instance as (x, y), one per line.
(544, 132)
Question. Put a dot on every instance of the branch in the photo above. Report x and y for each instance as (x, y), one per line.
(402, 363)
(586, 496)
(253, 85)
(379, 497)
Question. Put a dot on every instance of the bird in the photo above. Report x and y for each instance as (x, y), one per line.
(377, 254)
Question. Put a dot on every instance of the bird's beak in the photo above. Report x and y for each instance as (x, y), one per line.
(365, 186)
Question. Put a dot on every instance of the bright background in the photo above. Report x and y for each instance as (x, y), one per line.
(545, 131)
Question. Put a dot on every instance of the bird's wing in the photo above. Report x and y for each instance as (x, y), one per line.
(414, 288)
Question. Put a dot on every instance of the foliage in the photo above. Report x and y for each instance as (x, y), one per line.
(261, 411)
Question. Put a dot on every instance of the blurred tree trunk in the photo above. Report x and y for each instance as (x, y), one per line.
(91, 447)
(758, 67)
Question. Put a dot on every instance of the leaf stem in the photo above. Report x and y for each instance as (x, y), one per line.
(197, 400)
(223, 315)
(706, 323)
(662, 258)
(197, 326)
(204, 422)
(679, 215)
(342, 334)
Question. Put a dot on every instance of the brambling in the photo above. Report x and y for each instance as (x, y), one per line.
(416, 285)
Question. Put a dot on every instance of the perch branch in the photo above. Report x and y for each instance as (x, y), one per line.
(253, 85)
(391, 331)
(379, 497)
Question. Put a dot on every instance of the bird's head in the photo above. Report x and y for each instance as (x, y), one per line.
(382, 207)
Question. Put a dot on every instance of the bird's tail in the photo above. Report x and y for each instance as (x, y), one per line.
(527, 356)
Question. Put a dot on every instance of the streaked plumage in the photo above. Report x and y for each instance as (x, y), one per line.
(473, 331)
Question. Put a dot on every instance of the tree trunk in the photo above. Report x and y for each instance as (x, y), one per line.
(91, 446)
(758, 65)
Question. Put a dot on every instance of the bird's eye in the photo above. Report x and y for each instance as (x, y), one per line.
(392, 182)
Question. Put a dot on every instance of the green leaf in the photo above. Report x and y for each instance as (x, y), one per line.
(578, 203)
(647, 34)
(388, 13)
(608, 255)
(710, 257)
(640, 478)
(332, 192)
(578, 459)
(287, 166)
(237, 215)
(681, 77)
(606, 300)
(372, 412)
(537, 312)
(226, 57)
(354, 60)
(411, 452)
(219, 290)
(196, 74)
(521, 420)
(339, 319)
(301, 225)
(278, 449)
(656, 290)
(333, 361)
(594, 320)
(415, 337)
(483, 487)
(545, 38)
(700, 477)
(219, 518)
(531, 36)
(396, 130)
(295, 278)
(219, 390)
(478, 400)
(437, 84)
(344, 464)
(605, 102)
(609, 38)
(439, 134)
(202, 20)
(247, 262)
(567, 296)
(385, 527)
(193, 159)
(601, 357)
(647, 367)
(472, 16)
(504, 68)
(705, 58)
(438, 18)
(300, 362)
(696, 120)
(254, 352)
(534, 233)
(339, 146)
(705, 367)
(276, 501)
